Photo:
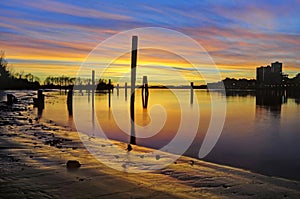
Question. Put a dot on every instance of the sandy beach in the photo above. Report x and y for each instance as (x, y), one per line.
(34, 154)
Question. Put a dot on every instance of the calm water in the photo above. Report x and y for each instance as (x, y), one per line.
(261, 131)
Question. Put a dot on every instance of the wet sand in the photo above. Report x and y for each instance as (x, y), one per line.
(33, 165)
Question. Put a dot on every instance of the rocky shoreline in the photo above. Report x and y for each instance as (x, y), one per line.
(34, 156)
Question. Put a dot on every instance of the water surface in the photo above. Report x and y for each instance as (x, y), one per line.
(261, 130)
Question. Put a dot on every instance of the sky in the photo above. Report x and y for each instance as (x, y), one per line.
(55, 37)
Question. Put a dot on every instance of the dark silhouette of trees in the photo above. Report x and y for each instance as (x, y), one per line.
(4, 73)
(59, 81)
(103, 85)
(9, 81)
(65, 82)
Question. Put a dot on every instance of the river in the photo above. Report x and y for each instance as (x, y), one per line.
(260, 133)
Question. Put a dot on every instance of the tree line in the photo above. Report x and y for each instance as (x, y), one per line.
(10, 80)
(21, 80)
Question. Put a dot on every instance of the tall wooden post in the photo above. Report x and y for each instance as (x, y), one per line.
(133, 79)
(93, 81)
(109, 93)
(192, 93)
(145, 92)
(125, 91)
(93, 100)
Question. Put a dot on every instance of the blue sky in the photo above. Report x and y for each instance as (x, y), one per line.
(55, 36)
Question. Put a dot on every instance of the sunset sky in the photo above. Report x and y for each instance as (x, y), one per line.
(53, 37)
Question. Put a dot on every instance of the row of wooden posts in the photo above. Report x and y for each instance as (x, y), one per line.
(39, 101)
(145, 92)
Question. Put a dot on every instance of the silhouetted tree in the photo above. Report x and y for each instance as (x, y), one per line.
(11, 80)
(4, 73)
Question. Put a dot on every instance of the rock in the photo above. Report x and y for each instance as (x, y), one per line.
(192, 162)
(73, 164)
(157, 157)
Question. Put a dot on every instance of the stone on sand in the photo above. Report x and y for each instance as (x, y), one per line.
(73, 164)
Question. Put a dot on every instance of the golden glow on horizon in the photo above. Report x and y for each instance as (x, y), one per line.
(122, 65)
(49, 60)
(55, 37)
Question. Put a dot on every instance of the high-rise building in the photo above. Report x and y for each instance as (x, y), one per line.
(269, 75)
(276, 67)
(260, 74)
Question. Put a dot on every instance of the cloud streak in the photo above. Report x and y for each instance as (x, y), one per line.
(239, 36)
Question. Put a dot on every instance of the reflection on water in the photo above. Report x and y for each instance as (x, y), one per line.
(261, 130)
(39, 112)
(271, 100)
(70, 102)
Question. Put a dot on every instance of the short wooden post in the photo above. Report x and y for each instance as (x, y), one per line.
(118, 87)
(41, 96)
(192, 93)
(40, 100)
(11, 99)
(125, 91)
(93, 83)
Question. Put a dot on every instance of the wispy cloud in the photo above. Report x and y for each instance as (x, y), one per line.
(68, 9)
(239, 36)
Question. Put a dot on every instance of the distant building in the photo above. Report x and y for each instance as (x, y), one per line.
(269, 75)
(276, 67)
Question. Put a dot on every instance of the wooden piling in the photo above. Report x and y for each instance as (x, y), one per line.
(118, 87)
(11, 99)
(125, 91)
(93, 81)
(192, 93)
(40, 100)
(133, 79)
(93, 102)
(70, 102)
(109, 93)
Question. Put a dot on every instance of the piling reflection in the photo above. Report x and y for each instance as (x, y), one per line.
(40, 112)
(70, 102)
(145, 92)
